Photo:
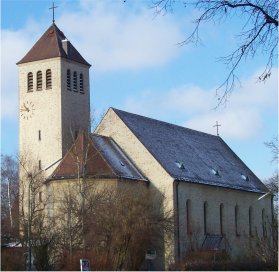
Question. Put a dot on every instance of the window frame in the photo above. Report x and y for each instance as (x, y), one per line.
(81, 83)
(236, 220)
(205, 217)
(69, 83)
(221, 210)
(188, 217)
(75, 81)
(48, 79)
(30, 82)
(39, 80)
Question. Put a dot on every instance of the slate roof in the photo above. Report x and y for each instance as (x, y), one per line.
(50, 46)
(206, 158)
(105, 159)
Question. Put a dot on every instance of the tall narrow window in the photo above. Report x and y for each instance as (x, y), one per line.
(81, 83)
(30, 82)
(264, 223)
(68, 79)
(250, 217)
(40, 197)
(75, 81)
(205, 207)
(48, 79)
(222, 219)
(40, 165)
(39, 135)
(39, 81)
(236, 220)
(188, 216)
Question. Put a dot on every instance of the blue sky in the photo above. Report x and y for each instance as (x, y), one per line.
(137, 66)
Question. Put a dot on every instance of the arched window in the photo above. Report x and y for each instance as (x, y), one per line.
(81, 83)
(39, 81)
(68, 79)
(264, 223)
(205, 207)
(188, 216)
(236, 220)
(75, 81)
(48, 79)
(250, 221)
(30, 82)
(221, 218)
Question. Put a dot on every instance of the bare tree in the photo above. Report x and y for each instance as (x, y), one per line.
(37, 232)
(258, 35)
(272, 182)
(120, 224)
(9, 196)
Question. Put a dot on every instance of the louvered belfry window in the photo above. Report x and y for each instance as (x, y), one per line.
(30, 82)
(68, 79)
(39, 81)
(48, 79)
(81, 83)
(75, 81)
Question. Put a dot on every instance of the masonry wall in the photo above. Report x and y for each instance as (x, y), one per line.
(160, 181)
(75, 104)
(237, 243)
(58, 113)
(46, 116)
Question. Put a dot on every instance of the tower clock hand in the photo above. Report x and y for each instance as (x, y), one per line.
(26, 109)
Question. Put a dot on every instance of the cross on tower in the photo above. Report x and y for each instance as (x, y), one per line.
(217, 126)
(53, 7)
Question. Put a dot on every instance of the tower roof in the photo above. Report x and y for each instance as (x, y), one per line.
(50, 45)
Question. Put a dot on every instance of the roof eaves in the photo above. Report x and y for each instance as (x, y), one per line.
(228, 186)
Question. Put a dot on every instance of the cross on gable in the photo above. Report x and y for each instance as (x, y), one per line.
(217, 126)
(53, 7)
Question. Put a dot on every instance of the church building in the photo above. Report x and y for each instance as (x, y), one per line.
(217, 201)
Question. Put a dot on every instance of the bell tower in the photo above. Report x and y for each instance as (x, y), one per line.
(54, 99)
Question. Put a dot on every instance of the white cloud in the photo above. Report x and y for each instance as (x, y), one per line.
(14, 45)
(108, 34)
(113, 38)
(242, 118)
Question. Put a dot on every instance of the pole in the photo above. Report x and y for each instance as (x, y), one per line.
(29, 224)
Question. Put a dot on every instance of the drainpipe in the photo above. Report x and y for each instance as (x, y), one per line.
(273, 232)
(177, 219)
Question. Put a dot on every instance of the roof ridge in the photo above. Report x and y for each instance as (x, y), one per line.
(167, 123)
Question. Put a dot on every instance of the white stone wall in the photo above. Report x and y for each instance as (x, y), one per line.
(238, 245)
(46, 117)
(113, 126)
(57, 111)
(75, 105)
(161, 182)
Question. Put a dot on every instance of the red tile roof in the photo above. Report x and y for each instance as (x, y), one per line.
(99, 157)
(74, 161)
(50, 46)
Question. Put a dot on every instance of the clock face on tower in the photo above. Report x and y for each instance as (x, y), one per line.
(27, 110)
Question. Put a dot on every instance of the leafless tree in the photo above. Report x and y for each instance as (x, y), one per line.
(259, 36)
(272, 182)
(273, 146)
(120, 224)
(37, 232)
(9, 196)
(272, 185)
